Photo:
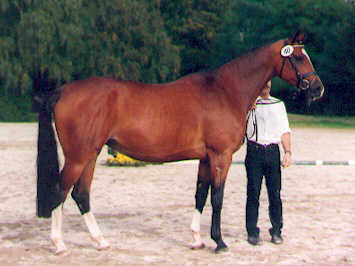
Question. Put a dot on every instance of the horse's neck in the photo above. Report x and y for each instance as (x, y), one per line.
(245, 77)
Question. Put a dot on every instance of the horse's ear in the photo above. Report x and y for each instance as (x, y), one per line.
(298, 38)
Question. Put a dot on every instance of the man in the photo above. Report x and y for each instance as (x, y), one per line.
(267, 126)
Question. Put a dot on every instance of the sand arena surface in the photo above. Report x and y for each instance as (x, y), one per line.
(145, 213)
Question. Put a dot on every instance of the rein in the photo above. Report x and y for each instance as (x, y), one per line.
(302, 82)
(255, 126)
(252, 115)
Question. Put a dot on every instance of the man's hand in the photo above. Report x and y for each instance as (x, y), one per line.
(253, 106)
(286, 161)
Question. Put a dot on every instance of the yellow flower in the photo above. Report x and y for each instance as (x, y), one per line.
(123, 160)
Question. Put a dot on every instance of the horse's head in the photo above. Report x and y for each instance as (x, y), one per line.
(295, 67)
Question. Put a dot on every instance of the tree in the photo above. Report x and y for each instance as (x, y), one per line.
(193, 25)
(128, 40)
(50, 42)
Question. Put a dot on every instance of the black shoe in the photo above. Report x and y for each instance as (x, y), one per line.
(277, 239)
(254, 240)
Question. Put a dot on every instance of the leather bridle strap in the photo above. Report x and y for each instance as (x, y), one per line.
(282, 67)
(300, 77)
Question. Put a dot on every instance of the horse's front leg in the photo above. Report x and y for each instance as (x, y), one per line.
(203, 183)
(217, 202)
(220, 164)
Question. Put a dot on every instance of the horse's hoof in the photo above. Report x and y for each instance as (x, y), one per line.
(61, 251)
(104, 246)
(221, 248)
(60, 246)
(198, 246)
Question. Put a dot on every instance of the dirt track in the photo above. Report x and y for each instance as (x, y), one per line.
(145, 213)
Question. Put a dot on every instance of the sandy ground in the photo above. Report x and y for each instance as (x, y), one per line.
(145, 213)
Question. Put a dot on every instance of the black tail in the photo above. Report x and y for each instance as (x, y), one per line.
(49, 194)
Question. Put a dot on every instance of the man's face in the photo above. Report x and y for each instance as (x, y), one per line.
(266, 91)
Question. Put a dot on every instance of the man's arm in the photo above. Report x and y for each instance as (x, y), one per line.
(286, 145)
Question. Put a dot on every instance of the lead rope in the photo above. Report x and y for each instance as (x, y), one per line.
(255, 126)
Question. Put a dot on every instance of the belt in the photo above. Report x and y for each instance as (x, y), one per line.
(257, 146)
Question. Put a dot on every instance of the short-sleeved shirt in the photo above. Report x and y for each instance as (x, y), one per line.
(268, 121)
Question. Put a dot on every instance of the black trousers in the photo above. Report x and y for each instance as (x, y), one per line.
(263, 161)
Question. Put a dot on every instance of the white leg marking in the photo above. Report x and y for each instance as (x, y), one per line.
(195, 224)
(195, 228)
(95, 231)
(56, 230)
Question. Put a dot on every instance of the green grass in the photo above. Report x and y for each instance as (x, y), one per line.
(347, 122)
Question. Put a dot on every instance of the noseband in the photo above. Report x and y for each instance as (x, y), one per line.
(302, 82)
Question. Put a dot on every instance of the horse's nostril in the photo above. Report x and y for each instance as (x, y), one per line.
(316, 91)
(316, 86)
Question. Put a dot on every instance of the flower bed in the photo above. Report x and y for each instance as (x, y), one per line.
(118, 159)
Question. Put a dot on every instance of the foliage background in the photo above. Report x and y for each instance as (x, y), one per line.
(44, 44)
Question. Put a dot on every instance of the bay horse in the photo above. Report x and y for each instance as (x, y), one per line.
(199, 116)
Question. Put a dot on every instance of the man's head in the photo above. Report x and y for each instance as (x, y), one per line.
(265, 93)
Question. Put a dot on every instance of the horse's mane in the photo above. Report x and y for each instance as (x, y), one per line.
(251, 60)
(242, 65)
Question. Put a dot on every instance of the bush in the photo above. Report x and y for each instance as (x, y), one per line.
(16, 109)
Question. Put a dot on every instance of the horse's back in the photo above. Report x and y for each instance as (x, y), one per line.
(148, 120)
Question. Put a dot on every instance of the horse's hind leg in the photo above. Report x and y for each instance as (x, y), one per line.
(69, 175)
(56, 230)
(203, 184)
(81, 195)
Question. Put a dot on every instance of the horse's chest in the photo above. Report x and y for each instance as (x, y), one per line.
(225, 133)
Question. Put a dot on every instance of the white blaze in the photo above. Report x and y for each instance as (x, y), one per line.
(309, 59)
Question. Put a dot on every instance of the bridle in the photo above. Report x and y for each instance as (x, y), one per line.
(302, 82)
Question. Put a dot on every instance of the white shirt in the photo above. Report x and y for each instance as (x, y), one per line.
(268, 121)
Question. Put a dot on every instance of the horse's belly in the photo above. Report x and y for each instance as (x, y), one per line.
(160, 146)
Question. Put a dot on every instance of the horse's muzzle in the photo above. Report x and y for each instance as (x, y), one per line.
(316, 89)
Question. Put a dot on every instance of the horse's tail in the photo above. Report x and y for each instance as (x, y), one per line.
(48, 177)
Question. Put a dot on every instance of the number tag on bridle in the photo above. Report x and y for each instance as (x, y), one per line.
(287, 50)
